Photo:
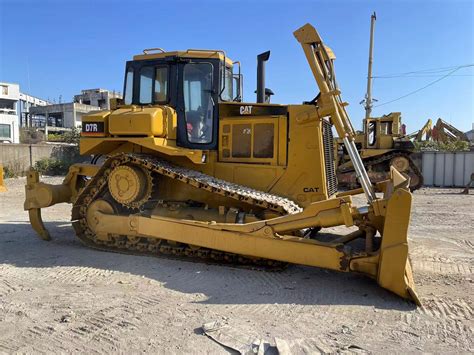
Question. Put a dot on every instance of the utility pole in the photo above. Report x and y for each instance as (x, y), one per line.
(368, 95)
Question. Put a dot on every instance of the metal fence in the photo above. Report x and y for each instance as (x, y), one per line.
(446, 169)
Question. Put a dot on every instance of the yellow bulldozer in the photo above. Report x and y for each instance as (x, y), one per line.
(190, 170)
(382, 144)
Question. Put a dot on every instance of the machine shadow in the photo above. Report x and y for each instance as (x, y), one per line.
(221, 284)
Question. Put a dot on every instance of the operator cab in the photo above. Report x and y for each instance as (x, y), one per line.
(379, 132)
(192, 82)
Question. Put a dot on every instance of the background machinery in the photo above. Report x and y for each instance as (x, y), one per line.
(190, 170)
(423, 134)
(442, 132)
(382, 144)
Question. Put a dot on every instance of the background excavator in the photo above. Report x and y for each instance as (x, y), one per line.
(445, 132)
(442, 132)
(382, 144)
(423, 134)
(191, 170)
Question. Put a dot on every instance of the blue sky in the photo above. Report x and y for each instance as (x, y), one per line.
(66, 46)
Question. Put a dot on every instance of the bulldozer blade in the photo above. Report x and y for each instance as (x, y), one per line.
(394, 271)
(37, 223)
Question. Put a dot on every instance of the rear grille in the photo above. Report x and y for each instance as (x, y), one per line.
(329, 163)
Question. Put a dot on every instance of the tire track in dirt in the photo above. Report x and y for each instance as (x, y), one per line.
(122, 303)
(442, 265)
(448, 308)
(98, 332)
(8, 286)
(146, 301)
(425, 325)
(77, 274)
(63, 274)
(465, 243)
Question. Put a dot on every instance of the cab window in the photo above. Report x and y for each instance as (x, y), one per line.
(128, 97)
(198, 101)
(371, 136)
(153, 85)
(146, 83)
(386, 127)
(227, 86)
(160, 92)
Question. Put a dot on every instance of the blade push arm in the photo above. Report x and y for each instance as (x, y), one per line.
(320, 59)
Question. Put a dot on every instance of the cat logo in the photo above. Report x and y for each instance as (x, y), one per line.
(246, 110)
(310, 189)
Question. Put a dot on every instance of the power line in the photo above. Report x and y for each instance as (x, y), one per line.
(416, 76)
(422, 88)
(425, 71)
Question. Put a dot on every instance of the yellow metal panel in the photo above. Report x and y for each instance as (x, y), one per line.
(284, 248)
(147, 121)
(171, 122)
(258, 178)
(394, 272)
(149, 144)
(304, 177)
(236, 132)
(366, 153)
(203, 54)
(282, 140)
(261, 177)
(385, 141)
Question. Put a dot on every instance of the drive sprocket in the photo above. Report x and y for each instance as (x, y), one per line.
(130, 185)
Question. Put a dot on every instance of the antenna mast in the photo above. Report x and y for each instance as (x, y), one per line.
(368, 95)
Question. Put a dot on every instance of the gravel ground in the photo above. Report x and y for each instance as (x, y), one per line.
(60, 296)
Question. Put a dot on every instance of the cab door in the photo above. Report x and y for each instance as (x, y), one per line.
(197, 109)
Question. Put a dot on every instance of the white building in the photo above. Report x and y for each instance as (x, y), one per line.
(9, 123)
(97, 97)
(24, 104)
(60, 116)
(22, 110)
(14, 109)
(68, 115)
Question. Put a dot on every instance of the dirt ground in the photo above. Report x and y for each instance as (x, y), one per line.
(60, 296)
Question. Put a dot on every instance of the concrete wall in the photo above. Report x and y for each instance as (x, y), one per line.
(445, 169)
(19, 157)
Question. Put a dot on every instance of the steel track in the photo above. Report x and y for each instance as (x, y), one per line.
(386, 159)
(97, 188)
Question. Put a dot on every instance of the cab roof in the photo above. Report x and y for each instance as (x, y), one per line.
(156, 53)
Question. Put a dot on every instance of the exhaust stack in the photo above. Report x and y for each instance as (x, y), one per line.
(261, 59)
